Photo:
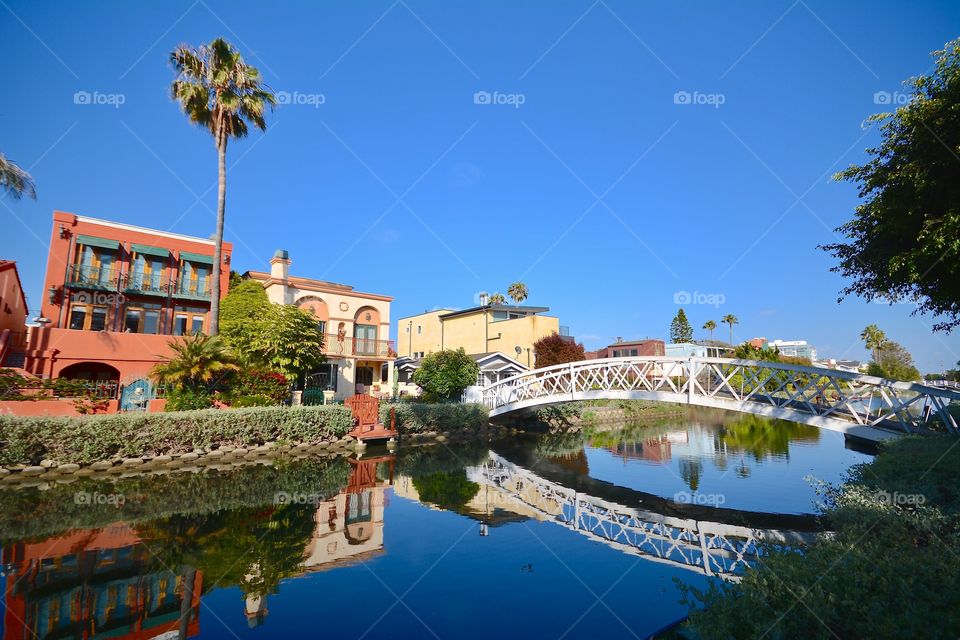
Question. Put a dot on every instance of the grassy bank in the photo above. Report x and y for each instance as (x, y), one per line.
(892, 570)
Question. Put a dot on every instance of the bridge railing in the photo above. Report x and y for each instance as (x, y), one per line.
(825, 394)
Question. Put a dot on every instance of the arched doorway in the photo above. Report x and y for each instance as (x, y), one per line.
(95, 371)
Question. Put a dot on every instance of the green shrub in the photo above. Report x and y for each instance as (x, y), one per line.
(188, 399)
(415, 417)
(258, 383)
(88, 439)
(257, 400)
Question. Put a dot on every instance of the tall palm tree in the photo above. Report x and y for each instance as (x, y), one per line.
(731, 320)
(518, 292)
(496, 298)
(710, 325)
(14, 181)
(220, 92)
(875, 339)
(198, 360)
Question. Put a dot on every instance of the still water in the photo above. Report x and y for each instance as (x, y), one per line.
(550, 536)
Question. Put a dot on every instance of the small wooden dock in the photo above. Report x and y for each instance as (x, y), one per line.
(366, 419)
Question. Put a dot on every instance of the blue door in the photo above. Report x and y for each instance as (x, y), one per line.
(136, 396)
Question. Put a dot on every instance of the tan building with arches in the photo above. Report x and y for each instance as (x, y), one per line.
(356, 327)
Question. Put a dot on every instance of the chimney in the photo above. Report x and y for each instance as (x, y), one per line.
(280, 265)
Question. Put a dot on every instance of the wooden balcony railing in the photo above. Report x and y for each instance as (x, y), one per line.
(350, 346)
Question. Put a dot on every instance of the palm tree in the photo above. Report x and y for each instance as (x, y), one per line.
(220, 92)
(731, 320)
(14, 181)
(517, 292)
(710, 325)
(496, 298)
(198, 360)
(875, 339)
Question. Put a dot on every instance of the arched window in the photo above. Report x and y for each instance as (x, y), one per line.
(318, 308)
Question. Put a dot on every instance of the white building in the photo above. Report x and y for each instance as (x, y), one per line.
(795, 348)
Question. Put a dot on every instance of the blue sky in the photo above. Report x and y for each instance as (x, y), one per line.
(581, 175)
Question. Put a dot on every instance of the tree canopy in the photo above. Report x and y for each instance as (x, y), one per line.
(894, 362)
(680, 329)
(443, 375)
(555, 349)
(903, 243)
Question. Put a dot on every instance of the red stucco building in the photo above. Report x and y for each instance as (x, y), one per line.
(115, 295)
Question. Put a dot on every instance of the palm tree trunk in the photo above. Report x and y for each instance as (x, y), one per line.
(218, 239)
(731, 334)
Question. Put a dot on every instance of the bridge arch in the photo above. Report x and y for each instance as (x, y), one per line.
(861, 406)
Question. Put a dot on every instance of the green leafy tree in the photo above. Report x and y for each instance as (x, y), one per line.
(443, 375)
(244, 318)
(221, 93)
(496, 298)
(292, 343)
(555, 349)
(710, 326)
(894, 362)
(198, 361)
(902, 243)
(874, 338)
(446, 489)
(14, 181)
(518, 292)
(730, 320)
(680, 329)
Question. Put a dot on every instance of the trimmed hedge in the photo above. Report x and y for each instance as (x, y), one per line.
(417, 417)
(89, 439)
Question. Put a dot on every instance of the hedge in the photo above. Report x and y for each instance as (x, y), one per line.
(416, 417)
(89, 439)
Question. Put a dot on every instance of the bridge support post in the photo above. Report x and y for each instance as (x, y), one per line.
(573, 384)
(691, 375)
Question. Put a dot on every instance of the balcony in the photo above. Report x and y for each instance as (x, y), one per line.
(98, 278)
(357, 347)
(192, 289)
(145, 284)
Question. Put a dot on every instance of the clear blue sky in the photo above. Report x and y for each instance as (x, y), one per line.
(692, 197)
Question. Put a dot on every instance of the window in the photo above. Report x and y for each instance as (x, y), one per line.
(325, 377)
(322, 326)
(141, 317)
(94, 265)
(88, 317)
(147, 273)
(195, 278)
(188, 320)
(365, 339)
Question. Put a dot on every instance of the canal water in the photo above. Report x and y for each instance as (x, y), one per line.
(555, 536)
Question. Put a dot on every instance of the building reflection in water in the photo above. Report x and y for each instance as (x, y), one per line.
(95, 583)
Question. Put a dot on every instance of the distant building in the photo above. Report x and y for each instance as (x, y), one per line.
(628, 348)
(795, 348)
(356, 328)
(697, 350)
(853, 366)
(493, 368)
(510, 329)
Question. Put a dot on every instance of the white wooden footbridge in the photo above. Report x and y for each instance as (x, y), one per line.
(857, 405)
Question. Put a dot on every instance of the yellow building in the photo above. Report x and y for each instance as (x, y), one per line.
(508, 329)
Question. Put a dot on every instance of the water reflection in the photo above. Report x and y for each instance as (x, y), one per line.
(140, 570)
